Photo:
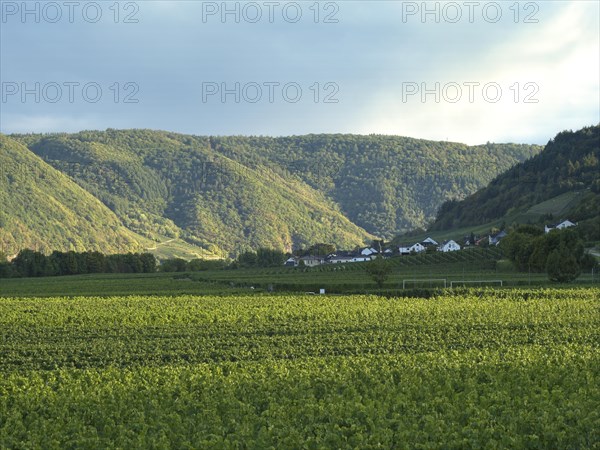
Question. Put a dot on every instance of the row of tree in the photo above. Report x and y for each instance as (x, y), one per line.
(560, 253)
(263, 257)
(29, 263)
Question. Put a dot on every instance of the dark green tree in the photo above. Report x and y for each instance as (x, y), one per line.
(148, 263)
(247, 259)
(29, 263)
(317, 249)
(379, 270)
(562, 266)
(95, 262)
(6, 269)
(266, 257)
(174, 265)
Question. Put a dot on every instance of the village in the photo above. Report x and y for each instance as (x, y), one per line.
(365, 254)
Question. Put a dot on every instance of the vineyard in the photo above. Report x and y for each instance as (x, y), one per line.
(470, 368)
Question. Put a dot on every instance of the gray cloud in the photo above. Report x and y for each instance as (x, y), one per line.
(368, 56)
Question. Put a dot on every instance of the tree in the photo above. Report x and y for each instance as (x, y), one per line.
(133, 263)
(317, 249)
(247, 259)
(379, 270)
(29, 263)
(588, 262)
(562, 266)
(6, 270)
(95, 262)
(518, 247)
(266, 257)
(148, 262)
(173, 265)
(530, 250)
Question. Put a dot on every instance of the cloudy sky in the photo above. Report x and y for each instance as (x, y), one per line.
(461, 71)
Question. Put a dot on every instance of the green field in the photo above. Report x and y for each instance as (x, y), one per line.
(252, 281)
(111, 284)
(467, 369)
(472, 266)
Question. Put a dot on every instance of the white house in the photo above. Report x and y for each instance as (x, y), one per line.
(428, 241)
(417, 248)
(448, 246)
(406, 249)
(361, 258)
(340, 259)
(312, 261)
(368, 251)
(291, 262)
(494, 239)
(559, 226)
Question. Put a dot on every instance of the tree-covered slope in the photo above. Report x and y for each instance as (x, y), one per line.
(179, 187)
(43, 209)
(568, 164)
(384, 184)
(228, 194)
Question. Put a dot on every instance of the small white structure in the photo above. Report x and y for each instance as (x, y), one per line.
(559, 226)
(448, 246)
(311, 261)
(429, 241)
(417, 248)
(368, 251)
(494, 239)
(291, 262)
(361, 259)
(406, 249)
(340, 259)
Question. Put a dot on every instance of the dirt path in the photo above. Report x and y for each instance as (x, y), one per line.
(159, 244)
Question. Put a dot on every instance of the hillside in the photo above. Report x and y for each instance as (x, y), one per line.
(384, 184)
(43, 209)
(161, 184)
(226, 194)
(562, 181)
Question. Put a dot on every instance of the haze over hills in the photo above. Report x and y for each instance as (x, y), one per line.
(563, 181)
(222, 195)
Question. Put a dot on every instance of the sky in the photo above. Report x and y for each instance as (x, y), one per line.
(468, 72)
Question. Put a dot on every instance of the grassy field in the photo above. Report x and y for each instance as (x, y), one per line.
(110, 284)
(556, 206)
(254, 281)
(471, 369)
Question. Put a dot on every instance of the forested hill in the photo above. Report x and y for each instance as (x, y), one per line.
(384, 184)
(41, 208)
(227, 194)
(165, 186)
(568, 164)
